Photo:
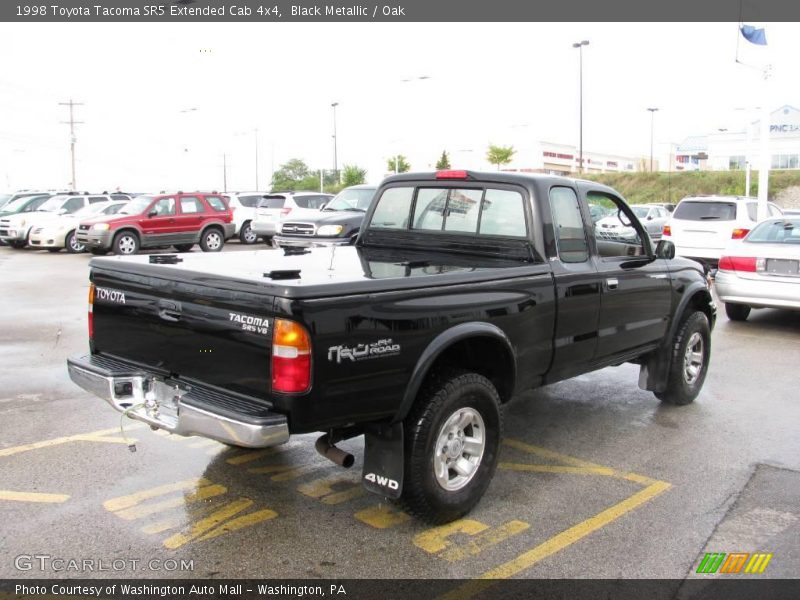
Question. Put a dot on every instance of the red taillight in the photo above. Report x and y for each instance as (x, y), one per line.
(451, 174)
(667, 230)
(738, 263)
(291, 357)
(285, 211)
(91, 311)
(739, 233)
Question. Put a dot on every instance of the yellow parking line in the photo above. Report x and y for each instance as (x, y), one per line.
(382, 516)
(251, 456)
(32, 497)
(93, 436)
(123, 502)
(484, 540)
(556, 543)
(202, 493)
(557, 469)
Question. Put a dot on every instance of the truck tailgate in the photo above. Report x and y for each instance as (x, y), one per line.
(191, 331)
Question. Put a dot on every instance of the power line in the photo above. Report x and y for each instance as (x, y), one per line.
(72, 122)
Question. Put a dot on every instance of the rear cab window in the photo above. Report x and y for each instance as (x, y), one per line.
(701, 210)
(473, 211)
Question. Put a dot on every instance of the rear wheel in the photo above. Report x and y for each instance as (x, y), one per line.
(98, 251)
(691, 350)
(16, 244)
(452, 437)
(125, 243)
(212, 240)
(737, 312)
(184, 247)
(54, 250)
(72, 244)
(247, 235)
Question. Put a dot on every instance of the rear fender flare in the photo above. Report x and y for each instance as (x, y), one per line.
(440, 344)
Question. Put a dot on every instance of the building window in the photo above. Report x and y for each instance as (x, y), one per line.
(736, 163)
(611, 163)
(785, 161)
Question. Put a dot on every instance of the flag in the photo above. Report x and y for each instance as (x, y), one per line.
(753, 35)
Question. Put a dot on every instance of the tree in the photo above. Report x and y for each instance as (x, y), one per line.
(291, 175)
(398, 163)
(499, 155)
(353, 175)
(444, 162)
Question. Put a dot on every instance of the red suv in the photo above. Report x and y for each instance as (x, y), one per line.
(181, 220)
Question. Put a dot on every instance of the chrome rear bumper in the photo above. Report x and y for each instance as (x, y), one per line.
(177, 407)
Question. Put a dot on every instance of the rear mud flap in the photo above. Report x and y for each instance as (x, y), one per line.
(383, 460)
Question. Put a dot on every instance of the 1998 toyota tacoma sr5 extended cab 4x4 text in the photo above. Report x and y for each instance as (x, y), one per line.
(462, 289)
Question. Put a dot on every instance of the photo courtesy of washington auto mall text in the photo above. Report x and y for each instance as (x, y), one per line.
(414, 299)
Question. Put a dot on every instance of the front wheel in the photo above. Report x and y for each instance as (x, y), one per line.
(737, 312)
(72, 244)
(452, 437)
(125, 243)
(691, 351)
(247, 235)
(211, 240)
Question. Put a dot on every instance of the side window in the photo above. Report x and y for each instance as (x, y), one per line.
(96, 199)
(113, 209)
(393, 209)
(568, 225)
(217, 203)
(752, 211)
(614, 232)
(503, 213)
(773, 211)
(163, 207)
(191, 205)
(72, 205)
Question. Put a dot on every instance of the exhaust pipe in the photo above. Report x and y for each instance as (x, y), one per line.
(324, 446)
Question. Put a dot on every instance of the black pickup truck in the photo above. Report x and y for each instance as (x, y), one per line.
(462, 289)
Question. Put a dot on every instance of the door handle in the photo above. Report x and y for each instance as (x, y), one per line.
(612, 283)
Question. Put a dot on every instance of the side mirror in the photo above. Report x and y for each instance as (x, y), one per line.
(62, 211)
(649, 217)
(665, 249)
(152, 213)
(323, 206)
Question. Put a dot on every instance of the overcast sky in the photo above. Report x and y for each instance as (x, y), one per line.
(163, 102)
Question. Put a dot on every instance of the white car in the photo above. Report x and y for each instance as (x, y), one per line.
(59, 232)
(762, 270)
(15, 229)
(243, 205)
(652, 219)
(702, 226)
(274, 208)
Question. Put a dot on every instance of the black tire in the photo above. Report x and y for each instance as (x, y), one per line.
(53, 250)
(184, 247)
(685, 379)
(247, 235)
(17, 245)
(72, 245)
(446, 396)
(125, 243)
(98, 251)
(212, 240)
(737, 312)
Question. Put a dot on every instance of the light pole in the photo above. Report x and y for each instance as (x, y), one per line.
(579, 46)
(256, 140)
(335, 157)
(652, 119)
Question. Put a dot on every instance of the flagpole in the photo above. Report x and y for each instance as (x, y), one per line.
(765, 161)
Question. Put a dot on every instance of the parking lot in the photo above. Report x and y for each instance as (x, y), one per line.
(596, 478)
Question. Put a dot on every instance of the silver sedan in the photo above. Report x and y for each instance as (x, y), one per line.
(762, 270)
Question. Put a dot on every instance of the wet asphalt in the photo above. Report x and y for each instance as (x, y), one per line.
(597, 478)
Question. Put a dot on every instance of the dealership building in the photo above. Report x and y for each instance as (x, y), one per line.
(563, 159)
(726, 150)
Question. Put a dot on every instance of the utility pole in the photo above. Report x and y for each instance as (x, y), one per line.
(224, 172)
(579, 46)
(652, 120)
(257, 188)
(72, 122)
(335, 157)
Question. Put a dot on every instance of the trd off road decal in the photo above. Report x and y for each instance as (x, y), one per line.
(252, 324)
(363, 351)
